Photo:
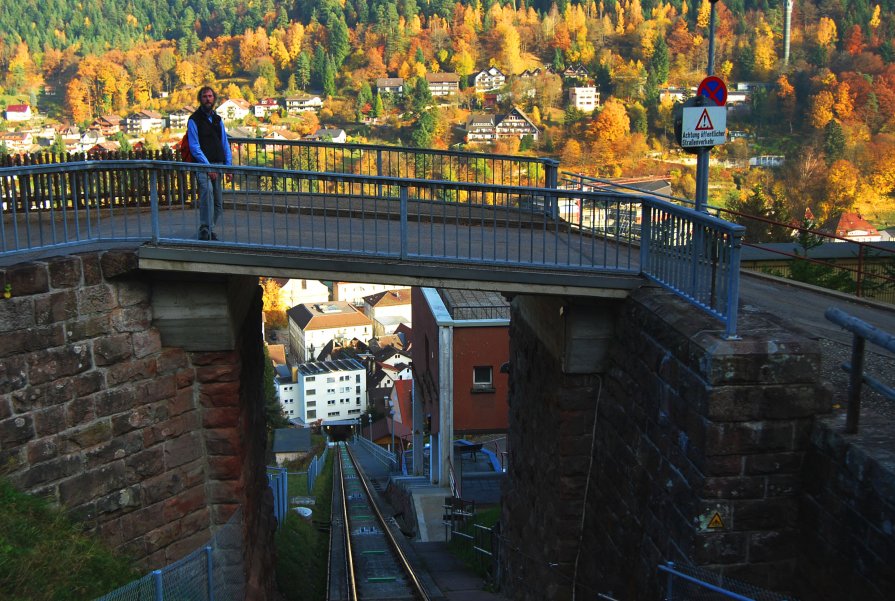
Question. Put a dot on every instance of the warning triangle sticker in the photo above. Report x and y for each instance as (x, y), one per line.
(705, 122)
(716, 522)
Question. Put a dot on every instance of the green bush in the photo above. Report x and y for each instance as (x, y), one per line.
(44, 555)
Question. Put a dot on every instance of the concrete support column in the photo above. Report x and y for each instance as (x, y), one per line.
(440, 468)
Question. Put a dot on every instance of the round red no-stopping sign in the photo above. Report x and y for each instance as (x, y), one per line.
(714, 89)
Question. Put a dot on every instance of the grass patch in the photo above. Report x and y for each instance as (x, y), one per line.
(44, 555)
(303, 546)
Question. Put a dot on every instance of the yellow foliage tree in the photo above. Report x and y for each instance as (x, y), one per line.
(703, 13)
(826, 32)
(820, 111)
(843, 104)
(612, 124)
(842, 185)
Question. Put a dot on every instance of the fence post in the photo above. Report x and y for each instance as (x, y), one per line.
(733, 285)
(645, 236)
(153, 205)
(855, 379)
(669, 592)
(404, 240)
(209, 566)
(551, 173)
(159, 585)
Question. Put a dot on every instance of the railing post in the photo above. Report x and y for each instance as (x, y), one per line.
(855, 379)
(859, 286)
(669, 592)
(153, 205)
(733, 285)
(404, 241)
(551, 173)
(379, 171)
(158, 585)
(209, 567)
(645, 236)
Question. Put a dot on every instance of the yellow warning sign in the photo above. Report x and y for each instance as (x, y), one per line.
(716, 522)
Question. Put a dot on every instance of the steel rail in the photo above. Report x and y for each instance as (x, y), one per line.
(350, 581)
(417, 587)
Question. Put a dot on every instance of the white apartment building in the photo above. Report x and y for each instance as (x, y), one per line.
(585, 98)
(313, 325)
(388, 310)
(354, 293)
(298, 292)
(323, 390)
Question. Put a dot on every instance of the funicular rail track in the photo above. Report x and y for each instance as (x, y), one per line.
(366, 561)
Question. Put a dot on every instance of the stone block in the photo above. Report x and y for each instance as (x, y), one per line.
(139, 417)
(185, 503)
(85, 436)
(764, 514)
(16, 430)
(138, 523)
(64, 272)
(27, 279)
(115, 401)
(53, 364)
(728, 438)
(110, 350)
(16, 314)
(90, 268)
(56, 307)
(115, 263)
(224, 394)
(47, 472)
(215, 374)
(742, 487)
(38, 451)
(120, 448)
(172, 360)
(13, 374)
(183, 449)
(220, 417)
(97, 299)
(89, 485)
(134, 370)
(134, 292)
(89, 327)
(49, 421)
(773, 463)
(147, 343)
(145, 463)
(775, 545)
(125, 499)
(719, 548)
(225, 491)
(131, 319)
(80, 410)
(173, 427)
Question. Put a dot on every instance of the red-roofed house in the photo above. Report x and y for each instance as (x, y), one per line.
(851, 226)
(313, 326)
(18, 112)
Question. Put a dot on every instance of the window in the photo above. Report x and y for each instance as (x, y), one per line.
(333, 414)
(312, 403)
(309, 379)
(312, 391)
(481, 379)
(312, 414)
(331, 402)
(357, 378)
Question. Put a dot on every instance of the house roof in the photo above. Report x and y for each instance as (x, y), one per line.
(389, 298)
(18, 108)
(389, 82)
(243, 104)
(442, 78)
(291, 440)
(848, 224)
(324, 316)
(277, 353)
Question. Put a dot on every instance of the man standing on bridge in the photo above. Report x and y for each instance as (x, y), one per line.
(209, 145)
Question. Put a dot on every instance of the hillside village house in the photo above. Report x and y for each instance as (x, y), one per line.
(486, 127)
(18, 112)
(302, 104)
(443, 84)
(388, 310)
(266, 107)
(322, 390)
(298, 291)
(178, 119)
(585, 98)
(107, 125)
(313, 326)
(141, 122)
(234, 109)
(290, 444)
(354, 292)
(329, 134)
(17, 141)
(489, 79)
(390, 85)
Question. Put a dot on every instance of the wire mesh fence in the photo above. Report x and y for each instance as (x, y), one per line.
(214, 572)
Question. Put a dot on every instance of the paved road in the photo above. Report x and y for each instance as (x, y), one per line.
(802, 307)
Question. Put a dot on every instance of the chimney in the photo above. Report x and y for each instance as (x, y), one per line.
(295, 374)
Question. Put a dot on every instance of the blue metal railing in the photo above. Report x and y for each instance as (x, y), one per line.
(689, 582)
(56, 207)
(385, 457)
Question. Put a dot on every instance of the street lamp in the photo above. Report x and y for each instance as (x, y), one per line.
(370, 417)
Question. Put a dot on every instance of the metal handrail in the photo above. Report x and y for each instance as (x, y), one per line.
(862, 331)
(694, 254)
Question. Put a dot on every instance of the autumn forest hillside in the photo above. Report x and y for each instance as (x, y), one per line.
(829, 109)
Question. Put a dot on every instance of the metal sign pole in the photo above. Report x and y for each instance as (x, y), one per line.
(702, 158)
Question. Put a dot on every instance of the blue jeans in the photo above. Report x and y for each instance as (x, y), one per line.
(211, 200)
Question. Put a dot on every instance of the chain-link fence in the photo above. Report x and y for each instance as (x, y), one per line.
(699, 584)
(214, 572)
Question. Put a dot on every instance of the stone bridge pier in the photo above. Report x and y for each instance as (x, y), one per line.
(639, 435)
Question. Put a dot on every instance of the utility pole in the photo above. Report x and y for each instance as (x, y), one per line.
(702, 157)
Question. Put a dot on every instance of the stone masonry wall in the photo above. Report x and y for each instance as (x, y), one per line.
(697, 456)
(847, 512)
(148, 446)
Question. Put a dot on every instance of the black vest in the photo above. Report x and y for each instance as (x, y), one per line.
(209, 135)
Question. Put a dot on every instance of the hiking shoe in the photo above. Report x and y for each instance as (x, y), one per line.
(214, 236)
(203, 233)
